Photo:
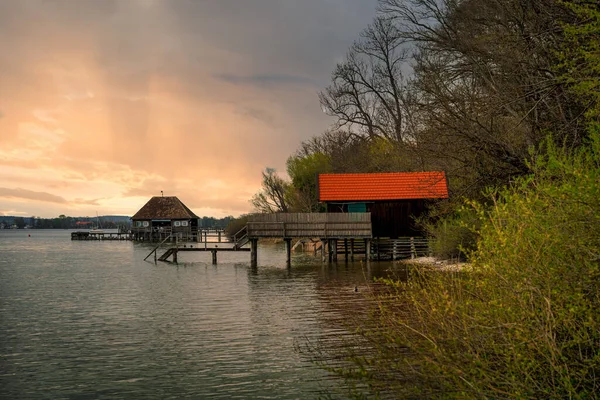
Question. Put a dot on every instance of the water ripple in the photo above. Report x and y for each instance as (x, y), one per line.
(92, 320)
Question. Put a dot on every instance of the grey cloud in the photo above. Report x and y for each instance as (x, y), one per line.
(265, 79)
(31, 195)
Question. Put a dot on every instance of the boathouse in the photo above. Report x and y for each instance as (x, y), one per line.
(394, 199)
(165, 217)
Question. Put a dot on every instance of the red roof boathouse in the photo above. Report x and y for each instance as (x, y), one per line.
(394, 199)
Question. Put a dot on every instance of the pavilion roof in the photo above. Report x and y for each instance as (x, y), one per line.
(169, 207)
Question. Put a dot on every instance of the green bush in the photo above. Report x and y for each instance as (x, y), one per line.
(523, 320)
(454, 236)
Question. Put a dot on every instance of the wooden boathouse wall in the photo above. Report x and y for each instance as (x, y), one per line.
(391, 218)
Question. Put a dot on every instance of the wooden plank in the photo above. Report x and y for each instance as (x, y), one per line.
(305, 225)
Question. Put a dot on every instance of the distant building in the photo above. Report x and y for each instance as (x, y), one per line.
(162, 217)
(394, 199)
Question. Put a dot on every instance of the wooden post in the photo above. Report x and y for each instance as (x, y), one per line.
(413, 250)
(288, 250)
(214, 256)
(330, 253)
(394, 246)
(352, 249)
(219, 236)
(205, 236)
(175, 256)
(346, 249)
(323, 241)
(368, 249)
(253, 252)
(334, 249)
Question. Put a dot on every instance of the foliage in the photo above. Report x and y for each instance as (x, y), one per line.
(346, 151)
(273, 195)
(212, 222)
(304, 171)
(466, 87)
(580, 55)
(524, 320)
(454, 236)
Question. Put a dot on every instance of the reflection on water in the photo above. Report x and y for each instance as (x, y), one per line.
(93, 320)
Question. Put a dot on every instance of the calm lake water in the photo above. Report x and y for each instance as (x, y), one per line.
(92, 320)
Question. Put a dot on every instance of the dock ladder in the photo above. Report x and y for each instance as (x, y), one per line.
(241, 238)
(158, 246)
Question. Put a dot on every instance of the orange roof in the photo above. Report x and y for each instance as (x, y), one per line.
(383, 186)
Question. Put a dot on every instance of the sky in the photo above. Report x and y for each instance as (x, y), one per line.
(104, 103)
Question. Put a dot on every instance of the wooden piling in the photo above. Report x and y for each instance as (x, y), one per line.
(346, 249)
(334, 242)
(214, 256)
(253, 252)
(288, 250)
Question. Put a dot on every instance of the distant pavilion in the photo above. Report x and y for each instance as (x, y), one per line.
(162, 217)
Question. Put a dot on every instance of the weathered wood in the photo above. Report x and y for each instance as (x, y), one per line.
(346, 249)
(307, 225)
(334, 249)
(85, 235)
(288, 251)
(253, 252)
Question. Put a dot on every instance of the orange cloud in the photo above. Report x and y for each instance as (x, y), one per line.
(103, 104)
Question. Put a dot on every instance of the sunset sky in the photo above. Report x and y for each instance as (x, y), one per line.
(105, 103)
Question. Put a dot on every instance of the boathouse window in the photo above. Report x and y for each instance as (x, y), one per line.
(177, 223)
(146, 223)
(357, 207)
(184, 223)
(138, 223)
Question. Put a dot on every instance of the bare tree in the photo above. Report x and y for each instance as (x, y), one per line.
(272, 197)
(366, 95)
(485, 91)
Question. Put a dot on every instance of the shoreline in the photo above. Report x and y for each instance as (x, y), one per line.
(438, 264)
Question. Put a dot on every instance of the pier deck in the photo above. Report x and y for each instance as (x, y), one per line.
(84, 235)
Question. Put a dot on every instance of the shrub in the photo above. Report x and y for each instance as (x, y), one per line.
(454, 236)
(524, 320)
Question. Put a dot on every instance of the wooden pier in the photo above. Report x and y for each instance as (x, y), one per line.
(173, 252)
(85, 235)
(332, 235)
(198, 236)
(287, 226)
(328, 227)
(338, 234)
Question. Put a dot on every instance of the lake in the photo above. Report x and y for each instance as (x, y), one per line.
(91, 319)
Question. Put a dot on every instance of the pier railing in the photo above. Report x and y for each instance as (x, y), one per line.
(310, 225)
